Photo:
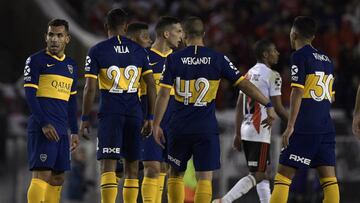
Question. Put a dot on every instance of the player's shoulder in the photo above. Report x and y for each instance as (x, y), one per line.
(37, 56)
(70, 61)
(133, 46)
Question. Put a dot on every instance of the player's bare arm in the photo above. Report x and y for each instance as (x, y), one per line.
(252, 91)
(74, 142)
(161, 104)
(88, 99)
(295, 102)
(279, 108)
(356, 118)
(151, 93)
(239, 117)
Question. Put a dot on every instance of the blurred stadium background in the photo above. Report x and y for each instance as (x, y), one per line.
(232, 28)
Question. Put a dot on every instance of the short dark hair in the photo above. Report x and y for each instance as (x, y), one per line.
(116, 17)
(59, 22)
(136, 27)
(193, 27)
(260, 47)
(164, 22)
(305, 26)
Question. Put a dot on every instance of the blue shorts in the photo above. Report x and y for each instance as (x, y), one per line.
(152, 151)
(44, 154)
(309, 150)
(119, 136)
(204, 148)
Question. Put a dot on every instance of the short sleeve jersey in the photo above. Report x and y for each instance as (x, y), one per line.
(195, 73)
(118, 63)
(269, 83)
(55, 80)
(312, 70)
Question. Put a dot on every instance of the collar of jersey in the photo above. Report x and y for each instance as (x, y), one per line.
(262, 64)
(161, 54)
(56, 57)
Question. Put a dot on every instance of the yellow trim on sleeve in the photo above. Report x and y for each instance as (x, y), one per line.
(147, 72)
(297, 85)
(165, 85)
(31, 85)
(333, 92)
(239, 80)
(91, 76)
(72, 93)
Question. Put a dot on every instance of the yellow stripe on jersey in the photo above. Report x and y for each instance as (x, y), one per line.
(115, 79)
(318, 87)
(157, 78)
(204, 93)
(147, 72)
(54, 86)
(91, 76)
(74, 92)
(239, 80)
(297, 85)
(31, 85)
(164, 55)
(56, 57)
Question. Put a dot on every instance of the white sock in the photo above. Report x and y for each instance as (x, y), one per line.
(241, 187)
(263, 190)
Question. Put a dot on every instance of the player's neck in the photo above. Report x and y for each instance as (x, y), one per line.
(161, 46)
(58, 55)
(115, 33)
(195, 42)
(301, 43)
(267, 64)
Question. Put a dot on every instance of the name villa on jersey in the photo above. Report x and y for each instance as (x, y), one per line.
(196, 60)
(121, 49)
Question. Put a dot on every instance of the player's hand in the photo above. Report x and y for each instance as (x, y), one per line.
(286, 136)
(159, 136)
(237, 142)
(356, 125)
(84, 130)
(147, 128)
(50, 133)
(75, 141)
(270, 117)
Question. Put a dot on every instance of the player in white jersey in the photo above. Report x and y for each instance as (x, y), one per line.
(249, 114)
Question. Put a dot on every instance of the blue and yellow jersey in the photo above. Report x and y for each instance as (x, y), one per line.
(157, 61)
(118, 63)
(55, 79)
(195, 73)
(312, 70)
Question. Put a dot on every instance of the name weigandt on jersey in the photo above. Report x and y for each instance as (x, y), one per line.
(196, 60)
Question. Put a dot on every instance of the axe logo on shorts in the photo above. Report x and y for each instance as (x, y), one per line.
(111, 150)
(43, 157)
(300, 159)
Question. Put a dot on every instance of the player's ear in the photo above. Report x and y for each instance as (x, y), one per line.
(68, 38)
(166, 34)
